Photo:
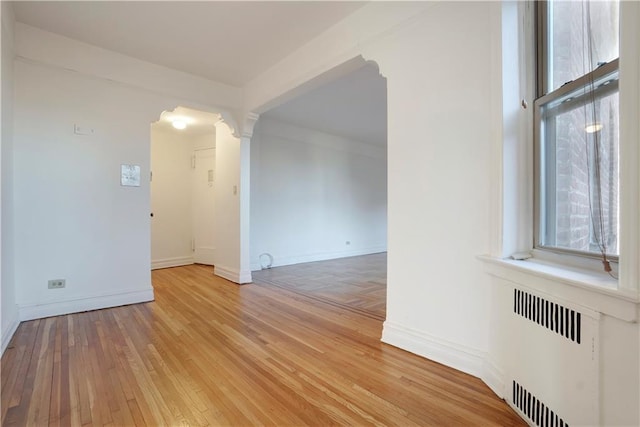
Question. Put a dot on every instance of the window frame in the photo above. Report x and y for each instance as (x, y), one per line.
(607, 71)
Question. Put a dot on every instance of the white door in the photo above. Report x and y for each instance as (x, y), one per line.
(204, 206)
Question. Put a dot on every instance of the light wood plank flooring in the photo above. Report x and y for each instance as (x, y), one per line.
(209, 352)
(357, 284)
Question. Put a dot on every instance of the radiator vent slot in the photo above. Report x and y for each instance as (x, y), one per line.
(534, 409)
(548, 314)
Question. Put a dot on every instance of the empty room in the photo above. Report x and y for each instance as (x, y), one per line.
(320, 213)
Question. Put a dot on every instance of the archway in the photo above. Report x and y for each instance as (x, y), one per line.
(319, 175)
(197, 192)
(183, 143)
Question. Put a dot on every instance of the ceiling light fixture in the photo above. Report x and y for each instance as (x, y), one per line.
(179, 124)
(593, 128)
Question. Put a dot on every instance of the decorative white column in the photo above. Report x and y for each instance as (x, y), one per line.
(245, 195)
(233, 197)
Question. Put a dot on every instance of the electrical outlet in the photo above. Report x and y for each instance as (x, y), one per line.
(57, 284)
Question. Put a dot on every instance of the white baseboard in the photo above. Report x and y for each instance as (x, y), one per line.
(171, 262)
(9, 330)
(38, 311)
(204, 255)
(322, 256)
(245, 277)
(494, 377)
(462, 358)
(235, 276)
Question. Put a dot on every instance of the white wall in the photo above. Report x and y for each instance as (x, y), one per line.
(9, 311)
(204, 141)
(311, 192)
(63, 52)
(73, 219)
(439, 168)
(171, 204)
(229, 263)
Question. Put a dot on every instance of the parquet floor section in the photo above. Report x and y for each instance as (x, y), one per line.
(357, 284)
(209, 352)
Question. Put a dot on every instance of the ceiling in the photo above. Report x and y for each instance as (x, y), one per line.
(230, 42)
(354, 106)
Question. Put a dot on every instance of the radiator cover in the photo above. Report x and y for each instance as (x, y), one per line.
(553, 366)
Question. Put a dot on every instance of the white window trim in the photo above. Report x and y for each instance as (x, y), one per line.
(596, 291)
(512, 199)
(629, 150)
(609, 71)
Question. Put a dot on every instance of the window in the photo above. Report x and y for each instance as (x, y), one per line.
(576, 128)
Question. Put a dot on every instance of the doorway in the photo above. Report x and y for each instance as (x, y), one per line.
(319, 193)
(319, 173)
(183, 148)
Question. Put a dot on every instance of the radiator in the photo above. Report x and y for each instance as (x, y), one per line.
(553, 367)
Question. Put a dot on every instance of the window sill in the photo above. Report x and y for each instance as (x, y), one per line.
(593, 290)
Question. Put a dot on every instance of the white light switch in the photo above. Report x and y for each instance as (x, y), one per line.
(82, 130)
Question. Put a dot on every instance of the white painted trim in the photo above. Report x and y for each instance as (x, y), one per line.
(566, 285)
(245, 277)
(629, 154)
(233, 275)
(244, 266)
(493, 377)
(497, 146)
(171, 262)
(320, 256)
(460, 357)
(225, 273)
(204, 255)
(249, 122)
(463, 358)
(77, 305)
(8, 331)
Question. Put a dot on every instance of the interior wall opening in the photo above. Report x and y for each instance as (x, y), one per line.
(319, 176)
(183, 152)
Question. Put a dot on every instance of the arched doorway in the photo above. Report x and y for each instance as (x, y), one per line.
(319, 188)
(183, 151)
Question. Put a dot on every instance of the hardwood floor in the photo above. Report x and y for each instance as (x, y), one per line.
(209, 352)
(357, 284)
